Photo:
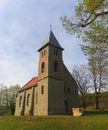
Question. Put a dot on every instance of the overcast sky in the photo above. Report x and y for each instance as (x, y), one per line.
(24, 24)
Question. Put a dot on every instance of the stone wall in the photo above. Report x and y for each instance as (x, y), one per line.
(19, 109)
(56, 97)
(42, 102)
(70, 83)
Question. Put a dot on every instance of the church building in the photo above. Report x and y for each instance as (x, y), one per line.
(53, 91)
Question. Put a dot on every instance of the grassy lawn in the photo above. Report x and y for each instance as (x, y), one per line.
(90, 121)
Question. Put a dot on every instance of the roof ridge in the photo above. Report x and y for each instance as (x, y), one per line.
(28, 83)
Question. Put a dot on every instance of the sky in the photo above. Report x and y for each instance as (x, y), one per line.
(24, 24)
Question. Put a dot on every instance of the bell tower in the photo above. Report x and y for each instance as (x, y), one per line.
(50, 76)
(54, 91)
(50, 58)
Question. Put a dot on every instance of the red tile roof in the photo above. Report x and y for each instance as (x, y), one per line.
(31, 83)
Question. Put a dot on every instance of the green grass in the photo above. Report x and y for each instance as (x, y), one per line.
(90, 121)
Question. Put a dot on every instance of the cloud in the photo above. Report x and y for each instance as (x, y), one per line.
(23, 28)
(17, 69)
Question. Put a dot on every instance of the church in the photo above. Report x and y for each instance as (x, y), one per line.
(53, 91)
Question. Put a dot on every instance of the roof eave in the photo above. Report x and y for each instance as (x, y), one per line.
(51, 45)
(28, 88)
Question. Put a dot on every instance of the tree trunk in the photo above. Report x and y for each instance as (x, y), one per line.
(12, 110)
(97, 100)
(84, 101)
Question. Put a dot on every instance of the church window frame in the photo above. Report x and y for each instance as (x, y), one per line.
(56, 52)
(66, 106)
(64, 89)
(28, 100)
(20, 101)
(55, 66)
(68, 90)
(42, 67)
(42, 89)
(42, 53)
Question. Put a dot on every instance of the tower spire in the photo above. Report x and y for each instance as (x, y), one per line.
(51, 40)
(50, 27)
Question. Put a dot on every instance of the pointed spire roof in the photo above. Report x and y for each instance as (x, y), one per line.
(51, 40)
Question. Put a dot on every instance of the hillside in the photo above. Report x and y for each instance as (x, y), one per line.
(92, 122)
(90, 100)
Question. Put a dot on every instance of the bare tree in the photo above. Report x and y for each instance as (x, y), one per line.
(82, 76)
(98, 69)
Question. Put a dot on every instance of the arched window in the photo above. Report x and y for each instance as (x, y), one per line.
(42, 67)
(56, 52)
(55, 66)
(68, 90)
(28, 99)
(42, 89)
(42, 53)
(64, 89)
(20, 101)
